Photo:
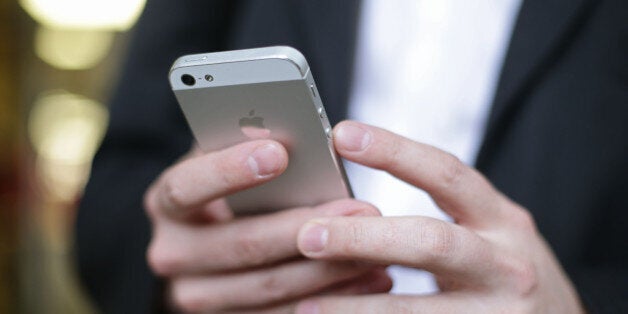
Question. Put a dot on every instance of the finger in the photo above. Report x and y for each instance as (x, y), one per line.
(262, 286)
(437, 246)
(198, 180)
(458, 189)
(374, 281)
(286, 308)
(282, 308)
(385, 303)
(249, 242)
(216, 211)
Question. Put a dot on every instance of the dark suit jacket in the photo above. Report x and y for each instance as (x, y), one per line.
(556, 142)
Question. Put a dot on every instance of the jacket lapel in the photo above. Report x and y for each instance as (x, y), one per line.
(541, 33)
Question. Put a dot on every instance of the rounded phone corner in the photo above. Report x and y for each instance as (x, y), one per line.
(292, 55)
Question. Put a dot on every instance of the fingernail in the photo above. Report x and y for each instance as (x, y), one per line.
(265, 160)
(307, 307)
(352, 138)
(314, 237)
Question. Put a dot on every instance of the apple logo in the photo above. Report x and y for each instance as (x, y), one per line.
(252, 126)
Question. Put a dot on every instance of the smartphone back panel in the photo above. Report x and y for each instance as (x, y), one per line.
(264, 97)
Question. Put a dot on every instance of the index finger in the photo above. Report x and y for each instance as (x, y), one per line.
(440, 247)
(194, 182)
(254, 241)
(457, 189)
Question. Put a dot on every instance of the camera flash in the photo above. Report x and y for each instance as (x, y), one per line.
(209, 78)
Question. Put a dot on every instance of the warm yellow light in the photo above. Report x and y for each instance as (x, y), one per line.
(65, 130)
(61, 181)
(67, 127)
(72, 49)
(99, 14)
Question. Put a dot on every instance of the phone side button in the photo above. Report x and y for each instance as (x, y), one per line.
(328, 132)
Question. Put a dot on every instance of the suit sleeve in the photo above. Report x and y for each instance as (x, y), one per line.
(147, 133)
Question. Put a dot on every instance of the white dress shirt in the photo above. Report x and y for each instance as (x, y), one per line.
(428, 70)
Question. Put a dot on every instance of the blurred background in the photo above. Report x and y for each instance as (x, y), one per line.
(59, 60)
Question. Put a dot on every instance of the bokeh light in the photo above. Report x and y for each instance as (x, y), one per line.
(65, 130)
(93, 14)
(72, 49)
(40, 187)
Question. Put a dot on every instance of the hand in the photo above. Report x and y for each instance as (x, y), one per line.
(213, 262)
(491, 260)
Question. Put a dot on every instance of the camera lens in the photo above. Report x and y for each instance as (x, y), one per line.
(188, 79)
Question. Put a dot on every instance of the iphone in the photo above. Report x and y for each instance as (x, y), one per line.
(264, 93)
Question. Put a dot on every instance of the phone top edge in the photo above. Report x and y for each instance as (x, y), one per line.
(275, 52)
(270, 64)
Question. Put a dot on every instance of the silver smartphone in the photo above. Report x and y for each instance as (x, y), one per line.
(234, 96)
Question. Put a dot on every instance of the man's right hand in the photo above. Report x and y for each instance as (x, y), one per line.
(214, 262)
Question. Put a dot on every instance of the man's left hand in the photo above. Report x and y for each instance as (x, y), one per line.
(490, 259)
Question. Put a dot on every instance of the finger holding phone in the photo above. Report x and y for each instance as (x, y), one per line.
(213, 261)
(490, 260)
(213, 253)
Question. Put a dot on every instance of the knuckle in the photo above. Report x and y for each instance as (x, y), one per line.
(523, 220)
(224, 171)
(437, 239)
(186, 300)
(162, 260)
(273, 288)
(362, 208)
(149, 204)
(249, 249)
(368, 209)
(355, 238)
(173, 195)
(524, 277)
(453, 171)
